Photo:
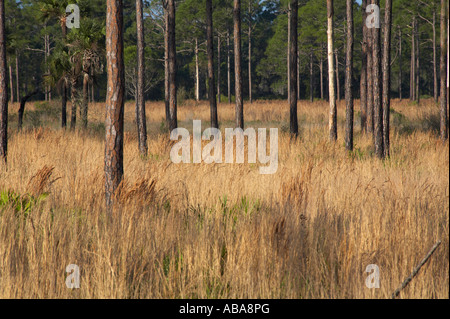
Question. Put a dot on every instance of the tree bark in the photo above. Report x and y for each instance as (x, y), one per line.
(3, 88)
(413, 64)
(210, 52)
(363, 80)
(443, 73)
(172, 67)
(321, 75)
(64, 88)
(141, 119)
(387, 77)
(114, 100)
(330, 34)
(348, 79)
(377, 90)
(370, 121)
(293, 23)
(238, 65)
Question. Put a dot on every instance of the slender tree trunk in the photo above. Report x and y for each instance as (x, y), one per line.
(400, 71)
(218, 69)
(387, 77)
(114, 100)
(435, 80)
(443, 73)
(21, 111)
(417, 68)
(11, 83)
(321, 76)
(197, 72)
(64, 88)
(250, 97)
(311, 78)
(48, 69)
(288, 57)
(228, 67)
(141, 119)
(238, 65)
(348, 79)
(17, 76)
(84, 115)
(370, 79)
(92, 87)
(338, 84)
(377, 90)
(293, 22)
(74, 96)
(333, 111)
(413, 64)
(298, 74)
(172, 68)
(363, 80)
(45, 63)
(210, 51)
(166, 63)
(3, 88)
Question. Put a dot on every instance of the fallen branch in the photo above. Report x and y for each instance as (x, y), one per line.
(416, 270)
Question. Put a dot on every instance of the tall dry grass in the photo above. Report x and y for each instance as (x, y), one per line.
(225, 231)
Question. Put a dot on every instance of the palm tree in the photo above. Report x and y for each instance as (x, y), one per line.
(51, 9)
(85, 54)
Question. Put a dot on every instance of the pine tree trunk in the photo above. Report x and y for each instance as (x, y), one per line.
(400, 72)
(435, 80)
(17, 77)
(444, 75)
(338, 84)
(11, 83)
(330, 34)
(293, 23)
(387, 77)
(141, 119)
(377, 90)
(288, 57)
(417, 68)
(197, 75)
(166, 63)
(412, 76)
(321, 76)
(238, 65)
(363, 80)
(311, 78)
(3, 88)
(64, 88)
(348, 79)
(298, 74)
(114, 100)
(218, 70)
(172, 68)
(210, 52)
(370, 121)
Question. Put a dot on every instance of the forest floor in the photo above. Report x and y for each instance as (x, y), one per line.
(224, 230)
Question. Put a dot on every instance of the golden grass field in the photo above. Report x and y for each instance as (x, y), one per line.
(224, 230)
